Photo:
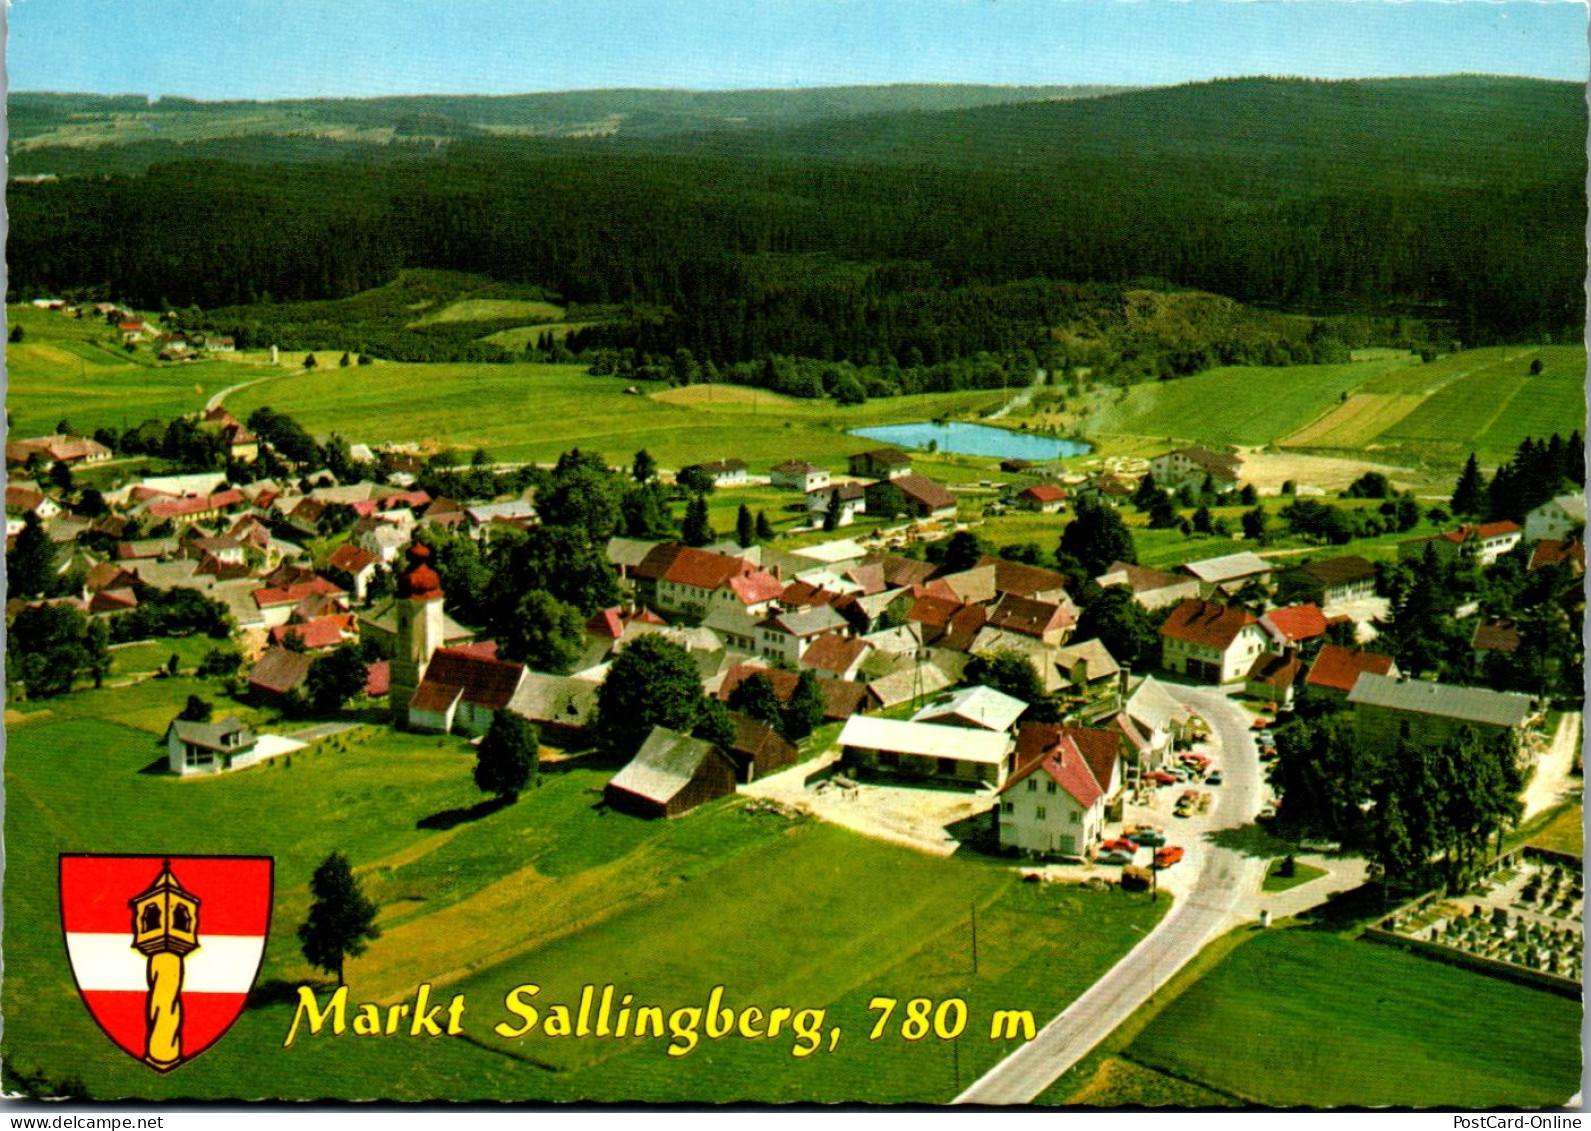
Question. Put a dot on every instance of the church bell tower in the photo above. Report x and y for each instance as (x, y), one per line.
(419, 608)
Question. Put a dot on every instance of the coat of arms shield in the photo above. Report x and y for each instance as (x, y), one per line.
(165, 949)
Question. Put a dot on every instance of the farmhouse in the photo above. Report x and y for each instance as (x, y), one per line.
(1045, 498)
(1488, 541)
(1434, 712)
(1056, 803)
(1191, 466)
(1557, 519)
(1153, 722)
(892, 748)
(559, 705)
(799, 475)
(1021, 580)
(835, 656)
(1549, 553)
(278, 672)
(977, 708)
(1151, 588)
(207, 748)
(1290, 627)
(722, 473)
(1088, 667)
(786, 635)
(358, 563)
(1335, 579)
(1211, 642)
(853, 501)
(1050, 622)
(909, 494)
(1229, 573)
(70, 450)
(1336, 669)
(880, 463)
(671, 775)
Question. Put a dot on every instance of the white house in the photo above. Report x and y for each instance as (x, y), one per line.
(1556, 519)
(1053, 805)
(1210, 642)
(786, 635)
(799, 475)
(208, 748)
(1192, 465)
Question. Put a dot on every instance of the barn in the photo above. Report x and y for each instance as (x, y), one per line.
(670, 775)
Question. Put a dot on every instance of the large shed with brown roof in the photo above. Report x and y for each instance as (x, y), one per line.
(670, 775)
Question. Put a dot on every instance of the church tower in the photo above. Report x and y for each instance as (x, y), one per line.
(419, 608)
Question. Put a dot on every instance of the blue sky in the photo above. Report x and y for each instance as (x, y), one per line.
(302, 48)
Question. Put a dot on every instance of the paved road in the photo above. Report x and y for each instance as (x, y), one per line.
(1213, 905)
(320, 730)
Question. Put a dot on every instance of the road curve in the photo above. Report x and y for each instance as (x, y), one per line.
(1225, 877)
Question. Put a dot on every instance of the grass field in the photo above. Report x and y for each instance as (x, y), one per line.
(1566, 833)
(1302, 874)
(535, 412)
(1310, 1018)
(1387, 407)
(554, 891)
(1247, 405)
(493, 310)
(149, 655)
(521, 336)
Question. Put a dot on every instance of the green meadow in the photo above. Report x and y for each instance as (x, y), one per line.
(554, 891)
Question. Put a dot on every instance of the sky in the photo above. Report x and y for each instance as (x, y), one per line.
(264, 49)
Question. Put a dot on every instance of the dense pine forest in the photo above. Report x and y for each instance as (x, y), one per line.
(1456, 205)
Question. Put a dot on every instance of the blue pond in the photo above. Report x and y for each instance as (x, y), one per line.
(974, 440)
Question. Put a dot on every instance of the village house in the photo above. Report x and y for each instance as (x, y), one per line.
(1046, 621)
(379, 536)
(1558, 519)
(834, 655)
(358, 563)
(1549, 553)
(921, 751)
(915, 496)
(799, 475)
(784, 636)
(1212, 643)
(1337, 669)
(670, 775)
(1058, 799)
(1335, 579)
(1033, 582)
(1151, 588)
(186, 509)
(483, 518)
(1488, 541)
(276, 605)
(1228, 573)
(1045, 498)
(880, 463)
(1434, 713)
(208, 748)
(853, 501)
(1497, 634)
(841, 698)
(562, 707)
(1088, 669)
(1293, 627)
(1153, 722)
(70, 450)
(461, 689)
(723, 472)
(977, 707)
(279, 672)
(1272, 677)
(1191, 466)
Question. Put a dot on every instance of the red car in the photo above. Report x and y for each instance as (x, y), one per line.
(1168, 856)
(1121, 845)
(1160, 777)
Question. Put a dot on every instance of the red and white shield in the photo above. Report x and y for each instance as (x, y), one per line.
(165, 949)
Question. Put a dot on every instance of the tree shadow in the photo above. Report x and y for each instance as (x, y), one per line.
(452, 818)
(1254, 840)
(1355, 908)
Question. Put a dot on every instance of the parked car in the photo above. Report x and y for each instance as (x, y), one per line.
(1151, 839)
(1214, 778)
(1122, 844)
(1168, 856)
(1114, 858)
(1160, 777)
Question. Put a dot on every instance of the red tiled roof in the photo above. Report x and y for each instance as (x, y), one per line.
(1100, 748)
(109, 575)
(322, 632)
(1025, 580)
(1064, 764)
(481, 649)
(842, 697)
(1551, 552)
(293, 594)
(804, 595)
(755, 588)
(1298, 622)
(607, 623)
(112, 601)
(833, 652)
(485, 683)
(351, 559)
(703, 570)
(378, 679)
(436, 696)
(1337, 667)
(1141, 579)
(23, 498)
(1276, 672)
(933, 611)
(1206, 623)
(195, 504)
(923, 490)
(1028, 617)
(1043, 493)
(1496, 636)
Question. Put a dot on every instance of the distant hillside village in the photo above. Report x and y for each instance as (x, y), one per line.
(330, 577)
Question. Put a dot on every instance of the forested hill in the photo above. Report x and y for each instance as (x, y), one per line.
(1459, 200)
(91, 133)
(1248, 136)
